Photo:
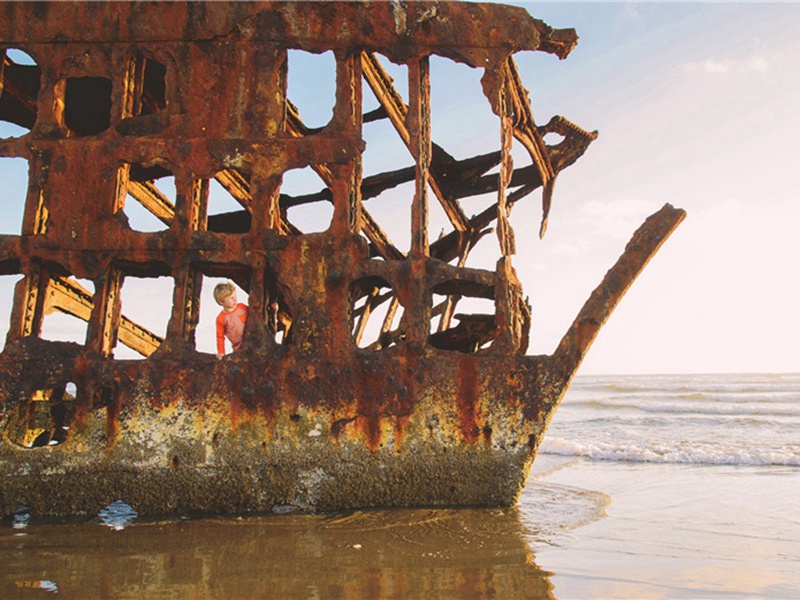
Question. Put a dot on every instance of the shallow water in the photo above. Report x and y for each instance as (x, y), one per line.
(646, 487)
(373, 554)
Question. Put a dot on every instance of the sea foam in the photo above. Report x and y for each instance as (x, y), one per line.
(707, 454)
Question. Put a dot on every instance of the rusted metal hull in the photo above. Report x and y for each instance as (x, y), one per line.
(405, 430)
(308, 414)
(407, 427)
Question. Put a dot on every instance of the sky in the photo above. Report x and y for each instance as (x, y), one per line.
(696, 104)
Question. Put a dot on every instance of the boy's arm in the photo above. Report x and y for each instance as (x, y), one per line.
(220, 335)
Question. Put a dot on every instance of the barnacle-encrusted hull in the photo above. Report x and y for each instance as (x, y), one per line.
(399, 430)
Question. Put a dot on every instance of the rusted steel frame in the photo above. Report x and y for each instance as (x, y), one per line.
(375, 115)
(371, 187)
(452, 300)
(29, 300)
(385, 338)
(369, 306)
(121, 190)
(34, 219)
(381, 84)
(390, 100)
(439, 309)
(523, 321)
(296, 128)
(477, 183)
(261, 319)
(512, 316)
(571, 148)
(104, 324)
(185, 304)
(378, 238)
(196, 211)
(10, 87)
(236, 185)
(461, 175)
(471, 242)
(287, 228)
(68, 297)
(443, 27)
(525, 130)
(239, 188)
(604, 299)
(374, 185)
(348, 115)
(390, 314)
(443, 248)
(505, 234)
(477, 284)
(149, 196)
(137, 338)
(270, 204)
(71, 298)
(373, 231)
(526, 178)
(132, 98)
(294, 123)
(388, 336)
(379, 299)
(418, 119)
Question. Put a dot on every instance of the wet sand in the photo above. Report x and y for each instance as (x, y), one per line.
(581, 530)
(679, 531)
(375, 554)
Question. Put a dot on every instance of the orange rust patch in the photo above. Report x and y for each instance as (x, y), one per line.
(467, 399)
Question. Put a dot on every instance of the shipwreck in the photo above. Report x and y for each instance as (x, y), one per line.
(439, 407)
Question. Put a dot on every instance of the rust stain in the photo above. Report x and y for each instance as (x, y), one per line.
(467, 400)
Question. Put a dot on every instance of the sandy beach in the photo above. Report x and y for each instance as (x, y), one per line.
(668, 487)
(677, 531)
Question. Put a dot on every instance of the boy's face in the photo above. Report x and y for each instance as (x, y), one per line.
(229, 301)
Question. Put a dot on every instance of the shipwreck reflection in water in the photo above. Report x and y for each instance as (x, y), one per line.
(419, 553)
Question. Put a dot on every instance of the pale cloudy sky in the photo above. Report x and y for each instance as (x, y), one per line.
(696, 105)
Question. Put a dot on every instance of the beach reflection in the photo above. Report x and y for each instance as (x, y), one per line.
(465, 553)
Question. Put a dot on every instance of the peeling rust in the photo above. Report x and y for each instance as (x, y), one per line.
(366, 376)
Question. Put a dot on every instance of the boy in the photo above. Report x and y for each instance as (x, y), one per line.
(231, 320)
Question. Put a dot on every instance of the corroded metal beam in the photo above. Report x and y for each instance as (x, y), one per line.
(604, 299)
(153, 199)
(69, 297)
(381, 84)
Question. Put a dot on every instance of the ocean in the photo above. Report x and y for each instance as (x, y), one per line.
(678, 486)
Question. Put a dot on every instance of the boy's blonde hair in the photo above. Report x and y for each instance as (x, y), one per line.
(222, 291)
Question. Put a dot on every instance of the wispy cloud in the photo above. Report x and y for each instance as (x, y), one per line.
(717, 66)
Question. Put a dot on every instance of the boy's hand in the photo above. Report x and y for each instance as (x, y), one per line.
(219, 356)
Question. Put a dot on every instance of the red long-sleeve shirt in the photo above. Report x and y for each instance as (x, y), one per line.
(231, 325)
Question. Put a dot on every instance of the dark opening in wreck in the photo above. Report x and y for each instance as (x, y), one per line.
(371, 385)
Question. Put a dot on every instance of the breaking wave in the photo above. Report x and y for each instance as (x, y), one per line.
(706, 454)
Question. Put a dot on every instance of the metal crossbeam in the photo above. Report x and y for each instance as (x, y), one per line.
(69, 297)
